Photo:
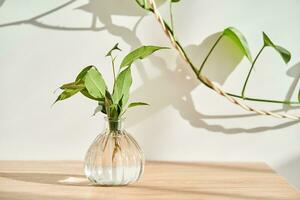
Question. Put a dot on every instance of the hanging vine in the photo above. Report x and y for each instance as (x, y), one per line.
(238, 38)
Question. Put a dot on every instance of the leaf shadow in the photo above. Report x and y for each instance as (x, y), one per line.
(93, 7)
(2, 2)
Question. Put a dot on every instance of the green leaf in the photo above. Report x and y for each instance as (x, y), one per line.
(239, 39)
(83, 72)
(139, 53)
(175, 1)
(113, 49)
(86, 93)
(285, 54)
(133, 104)
(120, 103)
(80, 78)
(77, 86)
(73, 85)
(267, 40)
(122, 86)
(95, 83)
(299, 96)
(66, 94)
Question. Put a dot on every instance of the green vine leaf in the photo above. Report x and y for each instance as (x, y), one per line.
(113, 49)
(239, 39)
(285, 54)
(95, 83)
(122, 86)
(134, 104)
(139, 53)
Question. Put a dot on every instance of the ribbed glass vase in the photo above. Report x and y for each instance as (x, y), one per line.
(114, 158)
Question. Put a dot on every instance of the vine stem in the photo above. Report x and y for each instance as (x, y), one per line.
(249, 73)
(211, 50)
(205, 80)
(264, 100)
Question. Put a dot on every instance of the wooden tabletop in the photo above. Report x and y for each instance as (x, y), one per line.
(64, 180)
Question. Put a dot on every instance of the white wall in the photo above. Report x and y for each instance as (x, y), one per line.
(186, 120)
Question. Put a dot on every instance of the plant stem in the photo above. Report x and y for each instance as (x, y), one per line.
(181, 49)
(113, 67)
(265, 100)
(171, 16)
(249, 73)
(210, 51)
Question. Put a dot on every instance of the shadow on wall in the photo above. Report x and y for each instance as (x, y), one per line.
(179, 82)
(179, 96)
(1, 2)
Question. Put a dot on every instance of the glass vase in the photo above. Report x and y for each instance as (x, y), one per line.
(114, 158)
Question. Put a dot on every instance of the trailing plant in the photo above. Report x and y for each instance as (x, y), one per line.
(91, 84)
(238, 38)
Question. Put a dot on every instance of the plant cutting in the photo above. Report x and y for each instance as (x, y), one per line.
(114, 158)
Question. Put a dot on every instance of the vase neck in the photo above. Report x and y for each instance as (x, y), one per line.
(114, 124)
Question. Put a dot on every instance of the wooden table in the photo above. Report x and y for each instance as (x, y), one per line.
(64, 180)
